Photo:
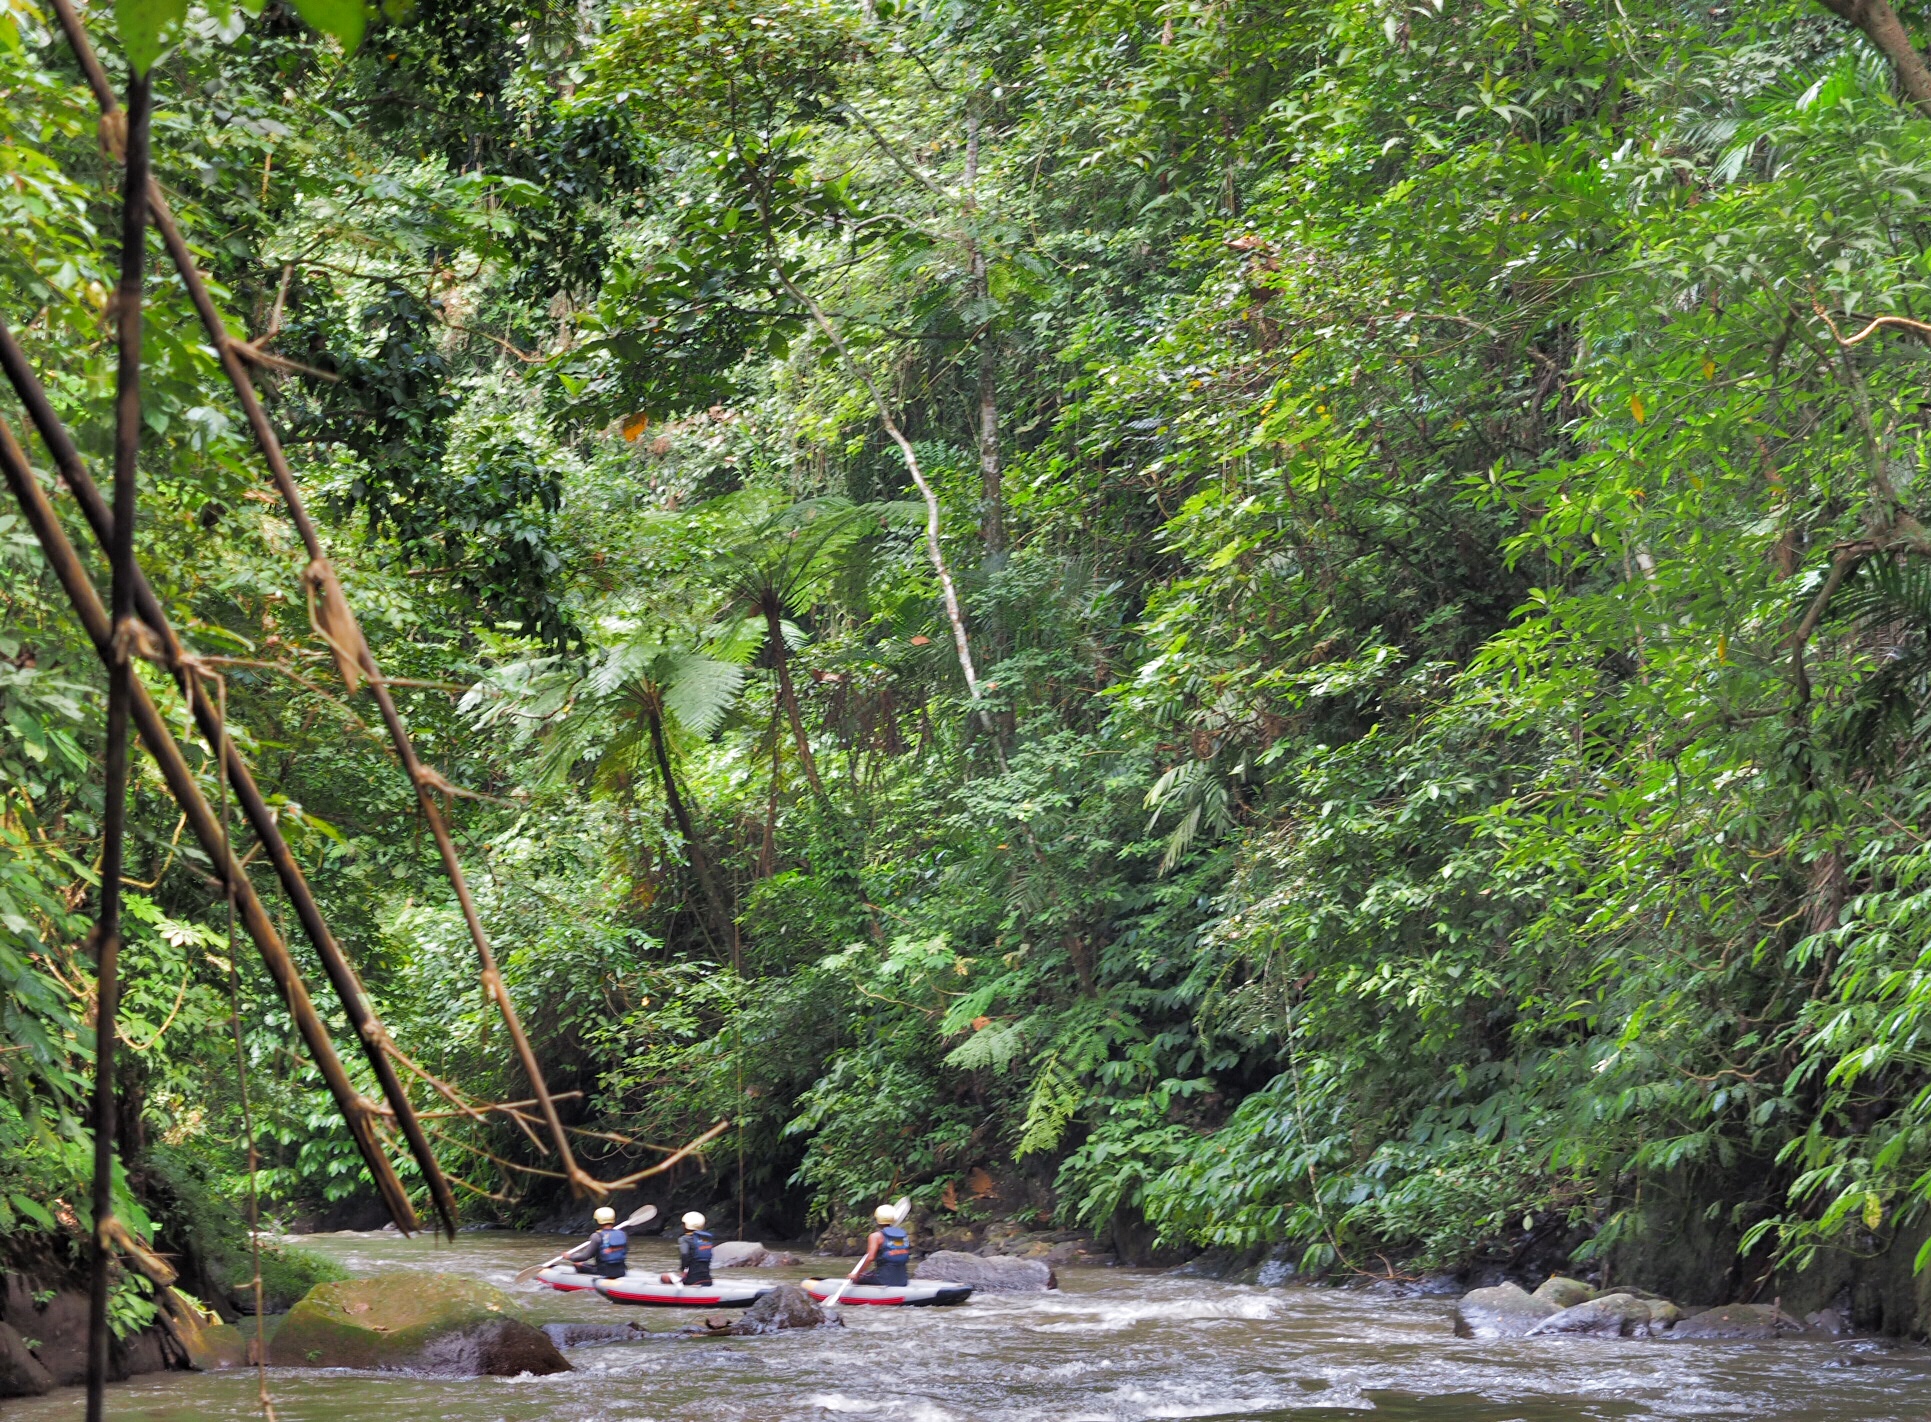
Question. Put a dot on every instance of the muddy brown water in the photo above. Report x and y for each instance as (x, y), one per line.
(1113, 1345)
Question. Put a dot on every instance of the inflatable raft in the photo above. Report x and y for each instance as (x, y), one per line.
(565, 1279)
(920, 1293)
(646, 1289)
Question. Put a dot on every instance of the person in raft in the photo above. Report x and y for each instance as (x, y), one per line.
(886, 1253)
(605, 1251)
(693, 1254)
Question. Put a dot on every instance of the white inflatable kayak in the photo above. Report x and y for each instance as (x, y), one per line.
(565, 1279)
(646, 1289)
(920, 1293)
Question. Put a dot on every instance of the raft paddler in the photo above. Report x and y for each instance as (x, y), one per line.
(887, 1252)
(693, 1253)
(605, 1251)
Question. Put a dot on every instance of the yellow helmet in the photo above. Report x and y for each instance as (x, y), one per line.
(885, 1214)
(605, 1215)
(693, 1220)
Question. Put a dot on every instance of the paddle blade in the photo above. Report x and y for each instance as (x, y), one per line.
(643, 1216)
(901, 1209)
(535, 1269)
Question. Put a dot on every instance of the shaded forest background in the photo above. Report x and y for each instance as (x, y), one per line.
(1442, 764)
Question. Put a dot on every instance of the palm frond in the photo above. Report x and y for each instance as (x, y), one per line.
(697, 689)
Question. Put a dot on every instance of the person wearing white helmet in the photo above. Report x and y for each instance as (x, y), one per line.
(886, 1253)
(693, 1253)
(605, 1251)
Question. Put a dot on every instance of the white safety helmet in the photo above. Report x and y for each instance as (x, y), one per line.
(605, 1215)
(693, 1220)
(885, 1214)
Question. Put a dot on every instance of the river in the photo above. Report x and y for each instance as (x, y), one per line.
(1113, 1345)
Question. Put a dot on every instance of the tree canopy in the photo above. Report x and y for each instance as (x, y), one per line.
(1285, 623)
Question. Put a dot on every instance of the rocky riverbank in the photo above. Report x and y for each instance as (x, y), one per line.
(1562, 1306)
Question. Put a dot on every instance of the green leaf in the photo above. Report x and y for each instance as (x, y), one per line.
(343, 19)
(144, 26)
(32, 1209)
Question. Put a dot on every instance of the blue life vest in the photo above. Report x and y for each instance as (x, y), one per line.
(694, 1254)
(613, 1247)
(894, 1250)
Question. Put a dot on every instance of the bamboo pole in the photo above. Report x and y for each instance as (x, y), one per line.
(120, 677)
(353, 656)
(255, 808)
(357, 1111)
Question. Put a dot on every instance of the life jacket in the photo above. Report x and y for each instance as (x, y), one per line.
(894, 1251)
(694, 1254)
(613, 1247)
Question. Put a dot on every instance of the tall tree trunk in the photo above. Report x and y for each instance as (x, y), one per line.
(1881, 25)
(992, 494)
(768, 846)
(992, 497)
(721, 916)
(781, 660)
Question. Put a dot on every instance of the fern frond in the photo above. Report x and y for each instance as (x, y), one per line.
(1055, 1097)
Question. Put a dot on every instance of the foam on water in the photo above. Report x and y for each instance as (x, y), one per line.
(910, 1409)
(1199, 1402)
(1089, 1315)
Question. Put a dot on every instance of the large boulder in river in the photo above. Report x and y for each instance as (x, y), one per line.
(1738, 1323)
(1611, 1316)
(749, 1254)
(1564, 1293)
(999, 1274)
(1505, 1311)
(413, 1322)
(786, 1306)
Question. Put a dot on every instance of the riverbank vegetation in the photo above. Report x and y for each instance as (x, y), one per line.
(1291, 624)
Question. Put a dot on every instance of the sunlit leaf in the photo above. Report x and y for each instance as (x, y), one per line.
(344, 20)
(147, 27)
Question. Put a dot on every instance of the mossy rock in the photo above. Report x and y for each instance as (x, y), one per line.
(217, 1347)
(413, 1322)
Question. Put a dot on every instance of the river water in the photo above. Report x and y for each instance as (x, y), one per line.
(1112, 1345)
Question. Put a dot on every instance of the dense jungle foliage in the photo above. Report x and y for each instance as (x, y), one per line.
(1435, 531)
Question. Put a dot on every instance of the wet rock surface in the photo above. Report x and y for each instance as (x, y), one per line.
(210, 1344)
(576, 1335)
(21, 1373)
(43, 1339)
(1504, 1311)
(999, 1274)
(1564, 1293)
(785, 1308)
(414, 1322)
(1739, 1323)
(1611, 1316)
(748, 1254)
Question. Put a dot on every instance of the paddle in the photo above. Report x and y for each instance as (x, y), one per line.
(899, 1211)
(643, 1216)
